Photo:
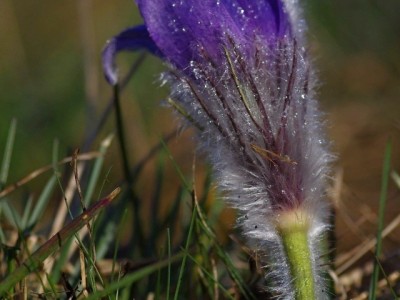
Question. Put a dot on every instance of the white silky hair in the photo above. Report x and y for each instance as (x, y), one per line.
(298, 23)
(261, 129)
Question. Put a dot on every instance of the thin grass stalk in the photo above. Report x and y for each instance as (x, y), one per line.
(12, 187)
(126, 168)
(42, 202)
(129, 279)
(11, 215)
(54, 243)
(392, 291)
(5, 166)
(232, 270)
(177, 168)
(27, 210)
(95, 174)
(91, 137)
(211, 277)
(123, 219)
(169, 265)
(186, 249)
(155, 202)
(381, 215)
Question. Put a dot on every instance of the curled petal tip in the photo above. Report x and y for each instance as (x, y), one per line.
(132, 39)
(108, 58)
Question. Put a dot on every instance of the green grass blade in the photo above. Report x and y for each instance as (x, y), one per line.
(118, 239)
(169, 264)
(382, 207)
(54, 160)
(176, 166)
(5, 166)
(46, 193)
(158, 286)
(27, 212)
(95, 174)
(129, 279)
(125, 295)
(154, 208)
(387, 279)
(54, 243)
(183, 264)
(11, 215)
(52, 285)
(172, 216)
(61, 260)
(91, 268)
(106, 238)
(2, 235)
(233, 272)
(211, 277)
(42, 201)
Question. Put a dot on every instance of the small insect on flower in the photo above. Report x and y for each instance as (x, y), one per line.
(271, 155)
(239, 71)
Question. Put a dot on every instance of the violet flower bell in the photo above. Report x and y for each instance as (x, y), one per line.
(239, 71)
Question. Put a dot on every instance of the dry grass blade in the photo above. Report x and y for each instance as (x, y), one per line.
(54, 243)
(367, 246)
(382, 232)
(338, 284)
(9, 189)
(74, 164)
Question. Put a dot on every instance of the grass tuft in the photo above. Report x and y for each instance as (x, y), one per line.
(381, 215)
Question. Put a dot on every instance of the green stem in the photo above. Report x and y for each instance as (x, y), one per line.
(294, 234)
(127, 173)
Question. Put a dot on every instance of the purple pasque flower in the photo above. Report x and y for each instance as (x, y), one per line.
(239, 71)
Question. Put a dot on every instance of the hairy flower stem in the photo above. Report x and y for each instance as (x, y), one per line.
(293, 229)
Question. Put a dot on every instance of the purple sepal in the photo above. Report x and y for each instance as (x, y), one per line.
(131, 39)
(181, 28)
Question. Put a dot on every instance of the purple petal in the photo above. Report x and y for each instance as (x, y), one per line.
(181, 28)
(131, 39)
(264, 17)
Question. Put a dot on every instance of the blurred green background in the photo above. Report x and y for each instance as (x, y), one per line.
(51, 81)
